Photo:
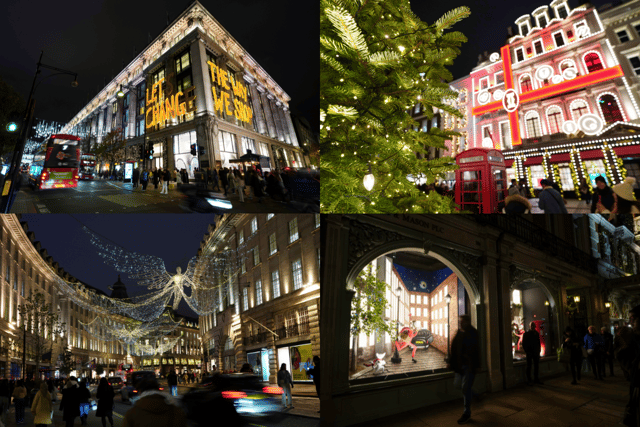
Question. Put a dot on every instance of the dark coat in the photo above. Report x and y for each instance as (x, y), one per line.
(223, 177)
(604, 196)
(84, 394)
(465, 350)
(166, 175)
(573, 346)
(531, 342)
(315, 371)
(550, 201)
(70, 403)
(105, 401)
(172, 379)
(516, 204)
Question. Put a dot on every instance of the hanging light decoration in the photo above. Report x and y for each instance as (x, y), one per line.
(369, 180)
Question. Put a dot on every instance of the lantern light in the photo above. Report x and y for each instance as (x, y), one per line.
(369, 180)
(607, 304)
(576, 298)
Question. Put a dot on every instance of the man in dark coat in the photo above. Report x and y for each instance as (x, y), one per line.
(531, 346)
(602, 196)
(550, 200)
(223, 179)
(315, 371)
(70, 403)
(136, 177)
(172, 381)
(608, 350)
(464, 360)
(214, 179)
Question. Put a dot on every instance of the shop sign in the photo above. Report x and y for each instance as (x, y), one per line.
(167, 106)
(227, 85)
(301, 357)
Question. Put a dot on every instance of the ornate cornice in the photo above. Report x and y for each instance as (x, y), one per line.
(363, 238)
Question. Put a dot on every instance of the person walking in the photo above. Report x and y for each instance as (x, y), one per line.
(464, 360)
(573, 346)
(593, 344)
(607, 351)
(531, 346)
(223, 179)
(513, 188)
(85, 407)
(70, 403)
(550, 200)
(5, 399)
(144, 179)
(256, 184)
(52, 391)
(19, 394)
(585, 192)
(315, 372)
(154, 409)
(166, 177)
(602, 201)
(524, 188)
(286, 382)
(215, 183)
(135, 177)
(42, 407)
(172, 381)
(105, 396)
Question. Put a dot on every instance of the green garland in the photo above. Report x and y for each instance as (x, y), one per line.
(621, 168)
(574, 178)
(556, 178)
(529, 181)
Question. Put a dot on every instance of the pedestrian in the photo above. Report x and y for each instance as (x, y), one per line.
(136, 177)
(172, 381)
(256, 184)
(513, 188)
(550, 200)
(625, 207)
(42, 407)
(70, 403)
(166, 177)
(531, 346)
(19, 394)
(286, 382)
(215, 182)
(241, 185)
(524, 188)
(585, 191)
(602, 201)
(223, 179)
(573, 346)
(594, 344)
(516, 204)
(246, 368)
(5, 399)
(154, 408)
(205, 177)
(464, 360)
(174, 175)
(105, 396)
(607, 351)
(85, 406)
(156, 177)
(315, 372)
(52, 390)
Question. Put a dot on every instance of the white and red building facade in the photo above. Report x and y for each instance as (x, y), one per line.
(556, 100)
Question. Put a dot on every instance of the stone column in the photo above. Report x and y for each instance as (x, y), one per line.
(200, 75)
(133, 110)
(491, 328)
(101, 119)
(257, 109)
(277, 120)
(292, 130)
(266, 107)
(285, 125)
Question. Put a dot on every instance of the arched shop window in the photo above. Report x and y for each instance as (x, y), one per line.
(400, 303)
(525, 83)
(530, 303)
(609, 107)
(593, 62)
(532, 122)
(554, 119)
(578, 108)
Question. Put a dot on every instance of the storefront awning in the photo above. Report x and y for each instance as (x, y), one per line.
(560, 158)
(537, 160)
(591, 154)
(627, 151)
(508, 162)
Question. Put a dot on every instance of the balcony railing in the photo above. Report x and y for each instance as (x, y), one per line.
(542, 239)
(283, 332)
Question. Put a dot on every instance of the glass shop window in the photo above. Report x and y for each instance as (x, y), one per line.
(529, 303)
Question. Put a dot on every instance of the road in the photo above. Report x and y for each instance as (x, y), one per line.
(101, 196)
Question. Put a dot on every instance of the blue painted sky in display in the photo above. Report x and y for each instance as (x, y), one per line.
(412, 278)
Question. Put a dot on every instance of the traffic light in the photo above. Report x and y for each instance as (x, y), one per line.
(201, 150)
(151, 153)
(193, 150)
(13, 123)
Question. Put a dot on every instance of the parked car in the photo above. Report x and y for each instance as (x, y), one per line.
(423, 339)
(236, 397)
(116, 383)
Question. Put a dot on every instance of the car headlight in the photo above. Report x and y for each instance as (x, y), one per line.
(217, 203)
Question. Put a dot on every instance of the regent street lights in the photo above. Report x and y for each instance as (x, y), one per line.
(10, 183)
(448, 300)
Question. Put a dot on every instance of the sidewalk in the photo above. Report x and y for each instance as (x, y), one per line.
(575, 206)
(556, 403)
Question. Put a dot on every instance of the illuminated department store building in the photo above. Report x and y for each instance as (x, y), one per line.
(560, 99)
(193, 87)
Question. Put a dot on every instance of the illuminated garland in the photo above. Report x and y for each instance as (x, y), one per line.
(529, 181)
(129, 331)
(556, 178)
(574, 178)
(139, 349)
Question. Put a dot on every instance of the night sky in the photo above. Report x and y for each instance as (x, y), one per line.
(174, 238)
(413, 278)
(486, 27)
(94, 38)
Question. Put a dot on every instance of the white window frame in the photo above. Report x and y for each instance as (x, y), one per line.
(556, 7)
(524, 56)
(502, 142)
(553, 36)
(480, 83)
(533, 82)
(293, 236)
(533, 45)
(604, 64)
(625, 31)
(520, 28)
(273, 244)
(637, 72)
(526, 129)
(258, 292)
(296, 274)
(571, 108)
(546, 113)
(546, 16)
(275, 284)
(580, 24)
(495, 78)
(254, 225)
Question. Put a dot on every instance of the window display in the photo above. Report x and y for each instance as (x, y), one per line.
(529, 303)
(401, 318)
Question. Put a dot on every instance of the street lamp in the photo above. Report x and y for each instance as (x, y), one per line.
(447, 299)
(10, 186)
(396, 356)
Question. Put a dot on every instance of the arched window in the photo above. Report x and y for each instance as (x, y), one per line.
(609, 107)
(532, 122)
(567, 63)
(525, 83)
(554, 119)
(578, 109)
(593, 62)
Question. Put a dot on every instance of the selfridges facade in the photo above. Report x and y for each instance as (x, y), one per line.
(416, 274)
(194, 98)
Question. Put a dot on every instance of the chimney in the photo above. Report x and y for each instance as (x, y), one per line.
(510, 31)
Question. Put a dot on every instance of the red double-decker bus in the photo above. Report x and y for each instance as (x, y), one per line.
(87, 166)
(57, 165)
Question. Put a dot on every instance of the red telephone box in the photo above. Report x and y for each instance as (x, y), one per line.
(481, 180)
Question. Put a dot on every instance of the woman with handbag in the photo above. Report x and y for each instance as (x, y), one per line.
(85, 406)
(19, 395)
(42, 408)
(573, 348)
